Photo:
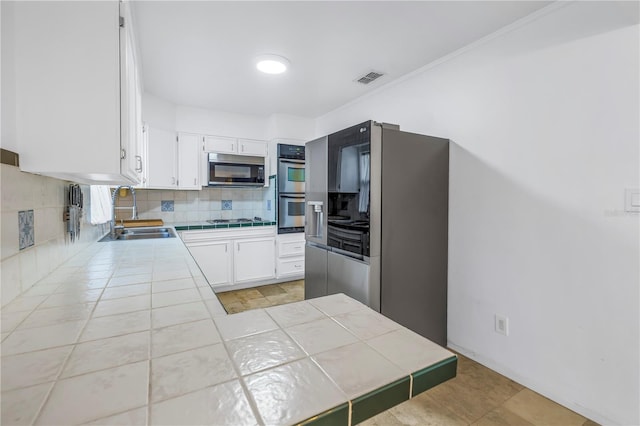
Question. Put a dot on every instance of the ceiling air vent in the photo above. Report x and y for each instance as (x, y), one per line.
(369, 77)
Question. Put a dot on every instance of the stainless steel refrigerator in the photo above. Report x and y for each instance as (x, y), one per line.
(376, 223)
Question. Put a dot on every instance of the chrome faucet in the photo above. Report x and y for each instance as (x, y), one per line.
(134, 208)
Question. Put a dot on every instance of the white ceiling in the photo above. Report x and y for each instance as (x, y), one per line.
(201, 53)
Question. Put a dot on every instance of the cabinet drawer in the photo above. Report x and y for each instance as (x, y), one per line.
(291, 248)
(291, 267)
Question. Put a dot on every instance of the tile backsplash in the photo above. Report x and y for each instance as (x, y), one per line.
(32, 231)
(197, 206)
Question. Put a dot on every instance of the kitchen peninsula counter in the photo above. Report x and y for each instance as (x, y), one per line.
(129, 332)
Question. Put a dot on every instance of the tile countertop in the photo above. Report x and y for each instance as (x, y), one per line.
(131, 333)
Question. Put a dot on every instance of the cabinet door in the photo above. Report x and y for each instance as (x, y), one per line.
(161, 165)
(189, 149)
(252, 147)
(254, 259)
(66, 76)
(130, 115)
(220, 144)
(215, 260)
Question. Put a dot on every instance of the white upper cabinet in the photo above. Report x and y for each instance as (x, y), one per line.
(173, 160)
(226, 145)
(252, 147)
(161, 163)
(77, 91)
(221, 144)
(189, 151)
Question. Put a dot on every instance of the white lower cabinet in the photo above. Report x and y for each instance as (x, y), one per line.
(254, 259)
(234, 258)
(215, 259)
(290, 263)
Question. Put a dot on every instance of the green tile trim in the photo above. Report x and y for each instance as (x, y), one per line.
(431, 376)
(181, 228)
(246, 225)
(334, 417)
(379, 400)
(258, 224)
(233, 225)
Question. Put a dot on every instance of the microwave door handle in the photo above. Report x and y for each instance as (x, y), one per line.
(283, 160)
(292, 196)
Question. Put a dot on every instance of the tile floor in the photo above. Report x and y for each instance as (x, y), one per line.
(262, 297)
(477, 396)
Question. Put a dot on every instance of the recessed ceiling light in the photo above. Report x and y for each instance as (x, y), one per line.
(272, 64)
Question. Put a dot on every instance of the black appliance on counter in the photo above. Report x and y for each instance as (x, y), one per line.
(291, 188)
(376, 226)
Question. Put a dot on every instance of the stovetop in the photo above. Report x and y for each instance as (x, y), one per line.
(239, 220)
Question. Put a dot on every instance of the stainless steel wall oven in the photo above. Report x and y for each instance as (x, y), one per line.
(291, 188)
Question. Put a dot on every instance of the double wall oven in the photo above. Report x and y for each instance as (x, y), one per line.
(291, 188)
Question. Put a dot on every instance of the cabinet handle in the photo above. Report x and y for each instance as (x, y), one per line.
(238, 246)
(242, 150)
(139, 160)
(194, 181)
(297, 266)
(123, 154)
(225, 247)
(173, 181)
(297, 248)
(233, 147)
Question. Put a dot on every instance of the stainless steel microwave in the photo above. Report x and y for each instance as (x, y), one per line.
(235, 170)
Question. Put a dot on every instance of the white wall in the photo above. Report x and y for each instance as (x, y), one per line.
(162, 114)
(158, 113)
(545, 131)
(7, 73)
(285, 126)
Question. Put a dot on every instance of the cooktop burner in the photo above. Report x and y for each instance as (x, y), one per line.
(240, 220)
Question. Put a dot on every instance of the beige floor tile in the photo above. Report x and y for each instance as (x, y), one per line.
(228, 297)
(383, 419)
(539, 410)
(502, 417)
(271, 290)
(475, 391)
(257, 303)
(422, 411)
(281, 299)
(234, 308)
(248, 294)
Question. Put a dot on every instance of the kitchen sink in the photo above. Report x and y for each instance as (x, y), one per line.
(140, 234)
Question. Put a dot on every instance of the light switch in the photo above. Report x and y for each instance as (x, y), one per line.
(632, 200)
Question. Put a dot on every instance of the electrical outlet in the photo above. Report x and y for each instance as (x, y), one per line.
(501, 324)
